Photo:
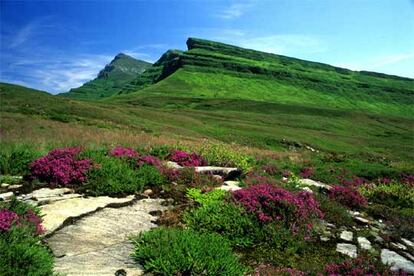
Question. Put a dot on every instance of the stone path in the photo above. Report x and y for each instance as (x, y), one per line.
(98, 244)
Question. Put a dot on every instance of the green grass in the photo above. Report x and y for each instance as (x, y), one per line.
(244, 122)
(111, 79)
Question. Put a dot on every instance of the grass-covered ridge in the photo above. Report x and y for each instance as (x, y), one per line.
(121, 70)
(215, 70)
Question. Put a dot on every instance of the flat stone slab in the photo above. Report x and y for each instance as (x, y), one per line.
(396, 261)
(347, 249)
(310, 182)
(364, 243)
(98, 244)
(227, 173)
(347, 235)
(56, 213)
(230, 186)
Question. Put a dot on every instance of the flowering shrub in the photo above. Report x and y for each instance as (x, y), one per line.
(61, 167)
(187, 159)
(254, 179)
(347, 196)
(270, 203)
(306, 172)
(123, 152)
(7, 218)
(362, 265)
(172, 175)
(149, 160)
(29, 218)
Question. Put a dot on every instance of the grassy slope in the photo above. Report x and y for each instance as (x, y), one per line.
(257, 124)
(214, 70)
(111, 79)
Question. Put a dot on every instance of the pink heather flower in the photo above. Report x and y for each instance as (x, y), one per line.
(347, 196)
(270, 203)
(149, 160)
(61, 167)
(36, 221)
(124, 152)
(187, 159)
(362, 265)
(7, 218)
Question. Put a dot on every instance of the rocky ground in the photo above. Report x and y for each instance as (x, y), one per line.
(89, 235)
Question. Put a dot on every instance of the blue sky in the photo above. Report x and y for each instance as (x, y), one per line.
(57, 45)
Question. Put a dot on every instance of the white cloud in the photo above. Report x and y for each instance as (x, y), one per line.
(233, 11)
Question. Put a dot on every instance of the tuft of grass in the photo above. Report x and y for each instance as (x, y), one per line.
(172, 251)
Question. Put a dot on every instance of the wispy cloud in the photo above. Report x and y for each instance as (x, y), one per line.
(27, 60)
(233, 11)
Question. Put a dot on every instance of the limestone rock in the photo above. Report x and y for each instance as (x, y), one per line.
(172, 165)
(346, 235)
(14, 187)
(56, 213)
(47, 192)
(310, 182)
(347, 249)
(396, 261)
(6, 196)
(4, 185)
(399, 245)
(227, 173)
(98, 243)
(408, 242)
(230, 186)
(364, 243)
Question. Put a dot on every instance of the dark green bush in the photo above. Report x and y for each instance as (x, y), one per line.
(23, 254)
(226, 219)
(334, 212)
(150, 175)
(172, 251)
(116, 176)
(16, 159)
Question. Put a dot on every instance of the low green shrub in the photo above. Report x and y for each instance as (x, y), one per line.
(21, 251)
(223, 155)
(23, 254)
(226, 219)
(394, 195)
(172, 251)
(15, 160)
(116, 176)
(334, 212)
(209, 198)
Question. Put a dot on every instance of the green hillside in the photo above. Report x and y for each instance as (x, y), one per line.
(212, 70)
(237, 96)
(121, 70)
